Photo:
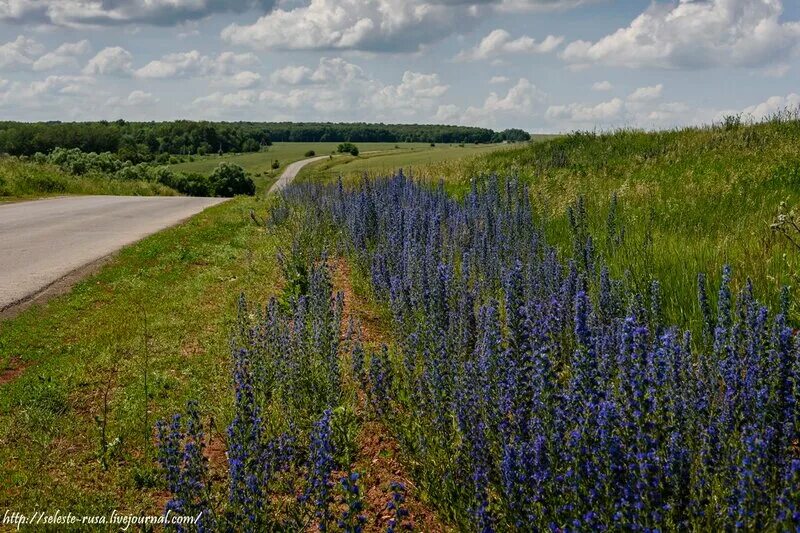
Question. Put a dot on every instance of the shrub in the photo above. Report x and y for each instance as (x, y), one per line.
(347, 148)
(230, 180)
(276, 165)
(311, 153)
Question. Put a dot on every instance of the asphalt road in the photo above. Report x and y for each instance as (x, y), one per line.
(44, 241)
(291, 171)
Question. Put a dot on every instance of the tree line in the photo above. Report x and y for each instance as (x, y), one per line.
(151, 141)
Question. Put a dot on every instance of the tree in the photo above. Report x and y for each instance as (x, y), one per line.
(515, 135)
(230, 180)
(347, 148)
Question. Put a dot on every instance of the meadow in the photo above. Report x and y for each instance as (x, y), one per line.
(680, 202)
(376, 162)
(552, 336)
(524, 389)
(372, 156)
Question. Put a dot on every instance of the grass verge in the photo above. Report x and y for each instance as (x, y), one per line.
(75, 423)
(688, 201)
(25, 179)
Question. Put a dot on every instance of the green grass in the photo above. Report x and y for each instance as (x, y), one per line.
(165, 304)
(690, 201)
(412, 159)
(372, 157)
(25, 179)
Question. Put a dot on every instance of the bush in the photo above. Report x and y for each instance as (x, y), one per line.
(276, 165)
(230, 180)
(347, 148)
(311, 153)
(192, 184)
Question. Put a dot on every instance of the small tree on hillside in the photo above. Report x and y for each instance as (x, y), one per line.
(230, 180)
(347, 148)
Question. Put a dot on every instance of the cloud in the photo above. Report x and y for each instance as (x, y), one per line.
(78, 13)
(586, 113)
(328, 70)
(372, 25)
(64, 56)
(772, 105)
(499, 42)
(238, 99)
(241, 80)
(21, 52)
(291, 75)
(695, 34)
(50, 91)
(193, 63)
(334, 89)
(520, 102)
(497, 80)
(111, 60)
(642, 108)
(415, 91)
(646, 94)
(538, 5)
(602, 86)
(136, 98)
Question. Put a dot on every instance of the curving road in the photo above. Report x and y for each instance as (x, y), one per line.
(291, 172)
(44, 241)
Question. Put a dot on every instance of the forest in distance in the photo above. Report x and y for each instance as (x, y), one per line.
(145, 141)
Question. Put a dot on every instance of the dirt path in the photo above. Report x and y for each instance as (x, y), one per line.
(291, 172)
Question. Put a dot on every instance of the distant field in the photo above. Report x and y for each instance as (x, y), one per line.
(384, 157)
(259, 164)
(374, 161)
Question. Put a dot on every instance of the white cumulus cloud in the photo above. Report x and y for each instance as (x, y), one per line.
(772, 105)
(78, 13)
(695, 34)
(64, 56)
(21, 52)
(375, 25)
(193, 63)
(602, 86)
(520, 102)
(646, 94)
(108, 61)
(499, 42)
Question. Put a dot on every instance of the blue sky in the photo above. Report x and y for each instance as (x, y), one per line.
(540, 65)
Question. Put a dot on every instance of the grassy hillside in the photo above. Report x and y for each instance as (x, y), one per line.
(23, 179)
(689, 201)
(411, 158)
(373, 156)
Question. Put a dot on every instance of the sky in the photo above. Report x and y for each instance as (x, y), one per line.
(539, 65)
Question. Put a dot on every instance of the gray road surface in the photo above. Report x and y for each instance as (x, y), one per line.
(290, 173)
(43, 241)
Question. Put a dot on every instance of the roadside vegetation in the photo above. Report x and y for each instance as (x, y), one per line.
(664, 205)
(593, 332)
(26, 179)
(71, 171)
(524, 388)
(84, 377)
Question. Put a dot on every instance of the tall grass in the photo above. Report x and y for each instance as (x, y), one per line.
(20, 179)
(689, 200)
